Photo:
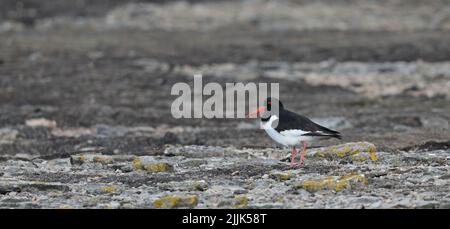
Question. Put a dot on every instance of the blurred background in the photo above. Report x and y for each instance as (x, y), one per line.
(375, 68)
(97, 74)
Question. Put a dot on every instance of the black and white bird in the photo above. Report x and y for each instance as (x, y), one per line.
(291, 129)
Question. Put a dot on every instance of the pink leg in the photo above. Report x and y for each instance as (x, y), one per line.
(302, 154)
(294, 153)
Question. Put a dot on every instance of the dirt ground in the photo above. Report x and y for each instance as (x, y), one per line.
(85, 103)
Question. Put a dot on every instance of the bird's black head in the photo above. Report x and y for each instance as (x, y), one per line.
(273, 102)
(273, 106)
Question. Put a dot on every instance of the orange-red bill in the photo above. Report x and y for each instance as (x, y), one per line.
(257, 111)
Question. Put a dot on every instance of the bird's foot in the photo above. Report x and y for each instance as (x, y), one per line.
(301, 159)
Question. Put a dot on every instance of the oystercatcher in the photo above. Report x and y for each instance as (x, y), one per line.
(291, 129)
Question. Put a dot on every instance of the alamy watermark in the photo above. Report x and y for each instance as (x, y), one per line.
(190, 104)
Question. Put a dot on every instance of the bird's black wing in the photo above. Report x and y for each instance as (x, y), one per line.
(289, 120)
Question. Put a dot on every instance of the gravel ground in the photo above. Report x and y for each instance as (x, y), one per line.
(85, 103)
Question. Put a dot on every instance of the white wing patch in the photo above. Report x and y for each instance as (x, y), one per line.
(293, 133)
(298, 133)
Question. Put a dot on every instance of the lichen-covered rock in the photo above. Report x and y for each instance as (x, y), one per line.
(357, 151)
(336, 183)
(228, 182)
(281, 176)
(108, 189)
(101, 159)
(83, 158)
(156, 167)
(240, 201)
(176, 201)
(236, 201)
(10, 185)
(200, 151)
(193, 163)
(189, 185)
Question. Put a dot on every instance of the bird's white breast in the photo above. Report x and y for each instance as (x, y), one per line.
(287, 137)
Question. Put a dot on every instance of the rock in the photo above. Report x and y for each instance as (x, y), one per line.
(110, 131)
(177, 201)
(126, 168)
(190, 185)
(237, 201)
(336, 183)
(41, 122)
(138, 164)
(240, 191)
(281, 176)
(435, 123)
(83, 158)
(151, 65)
(276, 16)
(7, 186)
(72, 132)
(201, 185)
(101, 159)
(240, 201)
(11, 26)
(95, 55)
(200, 151)
(193, 163)
(7, 135)
(246, 126)
(170, 138)
(356, 151)
(107, 189)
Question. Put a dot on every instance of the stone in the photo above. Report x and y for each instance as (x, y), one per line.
(84, 158)
(138, 164)
(176, 201)
(108, 189)
(336, 183)
(356, 151)
(41, 122)
(282, 176)
(7, 135)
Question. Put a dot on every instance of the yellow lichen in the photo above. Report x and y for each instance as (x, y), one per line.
(358, 158)
(82, 158)
(153, 167)
(282, 176)
(200, 186)
(241, 201)
(337, 183)
(175, 201)
(101, 159)
(137, 164)
(354, 152)
(320, 153)
(340, 185)
(310, 185)
(158, 167)
(109, 188)
(359, 151)
(340, 153)
(373, 153)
